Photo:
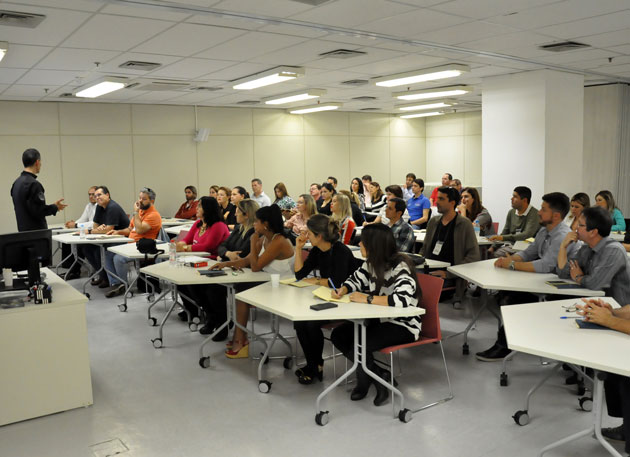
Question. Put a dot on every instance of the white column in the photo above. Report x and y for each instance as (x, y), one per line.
(532, 135)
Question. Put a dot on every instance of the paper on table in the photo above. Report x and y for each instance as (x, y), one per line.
(295, 283)
(324, 293)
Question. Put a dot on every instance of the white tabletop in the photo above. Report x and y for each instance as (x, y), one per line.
(520, 245)
(130, 250)
(171, 222)
(294, 303)
(433, 264)
(69, 238)
(174, 230)
(536, 328)
(487, 276)
(189, 276)
(617, 236)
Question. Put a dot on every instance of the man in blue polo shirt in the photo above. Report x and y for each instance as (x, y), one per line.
(418, 206)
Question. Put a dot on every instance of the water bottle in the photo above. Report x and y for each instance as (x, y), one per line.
(82, 231)
(172, 254)
(477, 228)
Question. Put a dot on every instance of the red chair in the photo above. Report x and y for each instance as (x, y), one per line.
(431, 332)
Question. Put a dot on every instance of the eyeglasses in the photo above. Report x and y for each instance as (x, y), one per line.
(570, 308)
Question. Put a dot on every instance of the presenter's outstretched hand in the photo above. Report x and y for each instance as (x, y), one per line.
(60, 205)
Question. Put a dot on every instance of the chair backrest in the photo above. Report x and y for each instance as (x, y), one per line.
(163, 236)
(495, 225)
(431, 289)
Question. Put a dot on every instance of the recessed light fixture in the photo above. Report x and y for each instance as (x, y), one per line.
(4, 47)
(424, 114)
(419, 76)
(426, 106)
(101, 87)
(294, 96)
(269, 77)
(436, 92)
(315, 108)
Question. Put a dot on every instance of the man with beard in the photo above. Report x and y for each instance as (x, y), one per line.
(188, 210)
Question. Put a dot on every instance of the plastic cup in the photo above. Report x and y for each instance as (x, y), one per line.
(7, 274)
(275, 280)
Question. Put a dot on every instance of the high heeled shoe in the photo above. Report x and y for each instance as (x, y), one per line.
(242, 353)
(309, 374)
(362, 387)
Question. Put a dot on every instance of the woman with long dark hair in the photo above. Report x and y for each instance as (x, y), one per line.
(208, 232)
(327, 193)
(471, 208)
(387, 278)
(356, 187)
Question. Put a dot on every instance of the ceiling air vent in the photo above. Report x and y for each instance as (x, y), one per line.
(563, 46)
(364, 98)
(248, 102)
(16, 19)
(370, 109)
(139, 66)
(67, 95)
(355, 82)
(342, 54)
(205, 88)
(161, 85)
(312, 2)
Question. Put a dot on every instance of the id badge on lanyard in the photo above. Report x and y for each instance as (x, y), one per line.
(438, 247)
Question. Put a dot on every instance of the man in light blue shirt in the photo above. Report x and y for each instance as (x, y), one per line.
(258, 195)
(406, 189)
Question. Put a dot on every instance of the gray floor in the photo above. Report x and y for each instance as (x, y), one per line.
(159, 402)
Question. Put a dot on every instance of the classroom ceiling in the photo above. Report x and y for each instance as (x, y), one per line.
(207, 44)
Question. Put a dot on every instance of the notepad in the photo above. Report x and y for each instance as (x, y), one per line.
(295, 283)
(325, 294)
(581, 323)
(564, 285)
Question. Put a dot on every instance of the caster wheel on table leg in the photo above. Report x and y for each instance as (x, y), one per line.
(264, 387)
(152, 321)
(150, 297)
(87, 294)
(192, 327)
(157, 343)
(404, 415)
(321, 418)
(586, 403)
(122, 307)
(465, 349)
(503, 381)
(521, 417)
(288, 363)
(204, 362)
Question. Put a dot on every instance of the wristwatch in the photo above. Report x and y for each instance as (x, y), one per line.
(512, 265)
(370, 298)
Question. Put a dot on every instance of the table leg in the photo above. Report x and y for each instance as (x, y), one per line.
(230, 304)
(104, 265)
(158, 342)
(484, 305)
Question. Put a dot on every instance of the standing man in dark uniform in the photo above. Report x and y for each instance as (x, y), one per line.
(28, 195)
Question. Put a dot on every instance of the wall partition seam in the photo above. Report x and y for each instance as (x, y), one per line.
(623, 169)
(63, 190)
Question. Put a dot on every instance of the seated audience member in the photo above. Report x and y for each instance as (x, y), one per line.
(208, 232)
(539, 257)
(403, 232)
(332, 180)
(284, 202)
(356, 187)
(457, 184)
(600, 263)
(88, 211)
(377, 198)
(472, 208)
(446, 181)
(357, 215)
(578, 202)
(86, 217)
(418, 206)
(406, 189)
(213, 191)
(605, 199)
(327, 192)
(316, 194)
(626, 241)
(188, 210)
(334, 262)
(237, 244)
(393, 191)
(387, 278)
(258, 195)
(270, 251)
(108, 216)
(238, 194)
(521, 222)
(450, 238)
(226, 208)
(342, 214)
(616, 387)
(367, 196)
(146, 223)
(305, 209)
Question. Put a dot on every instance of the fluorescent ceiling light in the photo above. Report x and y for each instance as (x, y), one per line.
(102, 87)
(294, 97)
(425, 114)
(267, 78)
(419, 76)
(426, 106)
(436, 92)
(4, 47)
(315, 108)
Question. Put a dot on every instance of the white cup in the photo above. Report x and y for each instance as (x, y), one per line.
(275, 280)
(7, 274)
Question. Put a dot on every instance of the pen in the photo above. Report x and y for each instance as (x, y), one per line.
(570, 317)
(333, 286)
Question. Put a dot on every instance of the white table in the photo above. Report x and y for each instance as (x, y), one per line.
(44, 357)
(294, 303)
(174, 230)
(536, 328)
(172, 222)
(618, 236)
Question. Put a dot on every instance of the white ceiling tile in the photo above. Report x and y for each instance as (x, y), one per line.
(57, 25)
(608, 39)
(575, 56)
(98, 32)
(27, 90)
(398, 64)
(223, 20)
(350, 13)
(144, 12)
(300, 53)
(195, 97)
(590, 26)
(602, 63)
(121, 95)
(10, 75)
(273, 8)
(24, 56)
(158, 95)
(3, 87)
(80, 5)
(312, 31)
(191, 68)
(418, 3)
(112, 66)
(372, 55)
(51, 77)
(188, 39)
(480, 9)
(623, 70)
(237, 71)
(623, 49)
(507, 41)
(413, 23)
(75, 59)
(462, 33)
(250, 45)
(526, 52)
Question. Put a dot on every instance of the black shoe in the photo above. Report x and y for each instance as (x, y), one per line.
(382, 392)
(614, 433)
(222, 335)
(207, 329)
(96, 281)
(309, 374)
(490, 350)
(571, 379)
(71, 275)
(362, 387)
(493, 355)
(115, 291)
(183, 316)
(104, 284)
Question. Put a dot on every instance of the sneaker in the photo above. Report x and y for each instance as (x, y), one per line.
(494, 354)
(104, 284)
(116, 290)
(614, 433)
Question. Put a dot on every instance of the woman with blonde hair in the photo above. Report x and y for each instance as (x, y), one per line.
(228, 210)
(342, 213)
(579, 202)
(605, 199)
(212, 192)
(306, 208)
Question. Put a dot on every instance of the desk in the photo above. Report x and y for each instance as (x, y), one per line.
(172, 222)
(535, 328)
(617, 236)
(174, 230)
(294, 303)
(44, 357)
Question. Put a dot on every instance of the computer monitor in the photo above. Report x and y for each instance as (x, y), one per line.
(26, 251)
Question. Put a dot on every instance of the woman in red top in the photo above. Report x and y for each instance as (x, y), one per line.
(342, 213)
(208, 232)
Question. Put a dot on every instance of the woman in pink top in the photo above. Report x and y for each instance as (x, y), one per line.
(208, 232)
(306, 207)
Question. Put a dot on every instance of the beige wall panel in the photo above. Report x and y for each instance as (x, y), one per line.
(94, 119)
(472, 123)
(444, 154)
(446, 125)
(163, 120)
(25, 118)
(97, 160)
(157, 167)
(407, 155)
(277, 122)
(225, 121)
(370, 156)
(327, 123)
(280, 159)
(472, 161)
(368, 124)
(11, 149)
(225, 161)
(327, 156)
(407, 127)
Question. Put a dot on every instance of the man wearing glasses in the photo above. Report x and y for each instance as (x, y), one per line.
(86, 217)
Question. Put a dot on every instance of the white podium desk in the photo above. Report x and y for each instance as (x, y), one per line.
(45, 365)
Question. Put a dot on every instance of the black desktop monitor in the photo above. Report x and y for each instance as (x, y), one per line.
(26, 251)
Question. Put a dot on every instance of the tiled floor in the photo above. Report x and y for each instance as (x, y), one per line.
(160, 403)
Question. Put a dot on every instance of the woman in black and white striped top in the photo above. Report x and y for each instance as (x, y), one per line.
(386, 278)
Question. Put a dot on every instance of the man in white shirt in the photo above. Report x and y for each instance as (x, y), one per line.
(258, 195)
(86, 217)
(88, 212)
